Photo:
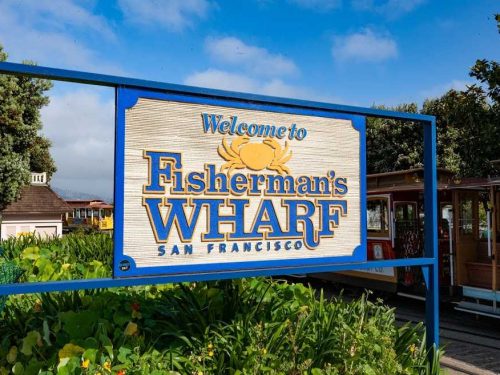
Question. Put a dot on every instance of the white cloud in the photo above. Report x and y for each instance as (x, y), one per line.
(321, 5)
(80, 125)
(277, 87)
(39, 33)
(441, 89)
(174, 15)
(364, 46)
(389, 8)
(223, 80)
(233, 51)
(218, 79)
(58, 15)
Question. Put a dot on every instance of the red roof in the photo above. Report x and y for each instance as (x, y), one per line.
(37, 199)
(88, 203)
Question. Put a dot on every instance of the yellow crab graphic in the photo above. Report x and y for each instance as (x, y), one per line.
(255, 156)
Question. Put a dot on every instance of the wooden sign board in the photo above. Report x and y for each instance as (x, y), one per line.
(207, 185)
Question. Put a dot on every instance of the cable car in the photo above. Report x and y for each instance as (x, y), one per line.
(395, 224)
(468, 238)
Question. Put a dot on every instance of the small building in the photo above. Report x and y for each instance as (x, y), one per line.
(94, 213)
(38, 210)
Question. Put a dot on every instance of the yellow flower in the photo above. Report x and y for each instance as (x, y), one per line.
(211, 353)
(264, 351)
(352, 352)
(200, 373)
(210, 346)
(107, 366)
(85, 363)
(413, 348)
(65, 266)
(131, 329)
(37, 307)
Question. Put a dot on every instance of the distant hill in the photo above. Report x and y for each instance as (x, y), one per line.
(71, 194)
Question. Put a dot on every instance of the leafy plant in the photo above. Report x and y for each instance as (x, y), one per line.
(233, 327)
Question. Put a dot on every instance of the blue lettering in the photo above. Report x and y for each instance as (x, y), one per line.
(210, 123)
(266, 217)
(328, 218)
(239, 183)
(176, 215)
(161, 250)
(217, 182)
(196, 184)
(175, 250)
(310, 236)
(188, 249)
(224, 127)
(341, 186)
(157, 173)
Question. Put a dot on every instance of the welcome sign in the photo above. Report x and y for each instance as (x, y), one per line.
(205, 185)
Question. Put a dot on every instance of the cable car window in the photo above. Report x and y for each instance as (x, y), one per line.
(483, 221)
(446, 220)
(405, 211)
(378, 217)
(497, 204)
(466, 216)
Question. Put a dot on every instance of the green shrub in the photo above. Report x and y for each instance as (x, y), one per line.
(74, 256)
(239, 327)
(74, 247)
(249, 326)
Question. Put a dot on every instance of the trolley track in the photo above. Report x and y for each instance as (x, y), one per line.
(459, 335)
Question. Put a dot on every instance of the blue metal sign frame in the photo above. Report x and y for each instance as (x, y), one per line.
(127, 98)
(429, 262)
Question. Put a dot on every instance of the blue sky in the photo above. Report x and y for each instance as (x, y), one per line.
(359, 52)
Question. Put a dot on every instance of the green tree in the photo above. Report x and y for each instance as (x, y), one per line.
(467, 120)
(392, 144)
(468, 135)
(22, 149)
(472, 118)
(468, 129)
(488, 72)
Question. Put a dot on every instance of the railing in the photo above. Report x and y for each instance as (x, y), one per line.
(105, 223)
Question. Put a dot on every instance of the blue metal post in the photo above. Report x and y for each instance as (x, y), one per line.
(430, 234)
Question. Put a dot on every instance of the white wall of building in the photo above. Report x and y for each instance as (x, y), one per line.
(14, 225)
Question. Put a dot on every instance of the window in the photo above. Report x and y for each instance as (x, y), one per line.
(446, 220)
(466, 216)
(483, 220)
(405, 211)
(378, 217)
(497, 205)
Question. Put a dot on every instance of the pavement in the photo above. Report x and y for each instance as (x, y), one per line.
(464, 358)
